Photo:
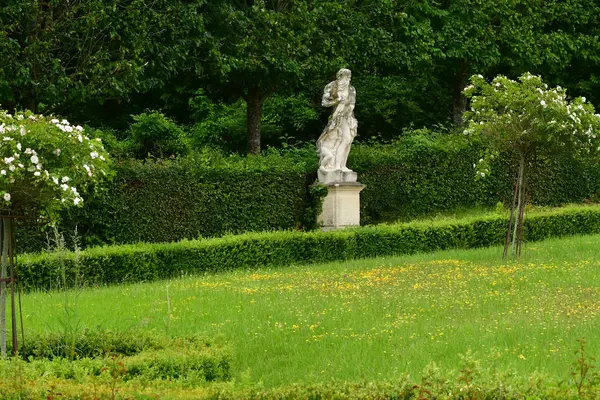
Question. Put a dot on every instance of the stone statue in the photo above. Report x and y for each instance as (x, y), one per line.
(334, 143)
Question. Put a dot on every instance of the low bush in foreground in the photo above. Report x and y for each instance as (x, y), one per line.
(109, 358)
(146, 262)
(19, 380)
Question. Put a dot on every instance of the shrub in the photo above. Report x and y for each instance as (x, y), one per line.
(219, 125)
(154, 134)
(210, 194)
(427, 172)
(88, 343)
(143, 354)
(47, 163)
(204, 195)
(145, 262)
(422, 173)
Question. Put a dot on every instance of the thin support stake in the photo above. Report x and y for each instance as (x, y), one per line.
(12, 292)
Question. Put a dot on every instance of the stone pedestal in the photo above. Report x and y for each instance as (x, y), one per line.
(341, 206)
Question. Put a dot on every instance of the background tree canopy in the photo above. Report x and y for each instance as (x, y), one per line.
(242, 74)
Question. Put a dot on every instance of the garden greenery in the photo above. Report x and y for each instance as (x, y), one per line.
(210, 193)
(46, 162)
(146, 262)
(528, 118)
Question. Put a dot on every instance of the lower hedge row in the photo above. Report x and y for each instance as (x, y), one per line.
(145, 262)
(21, 381)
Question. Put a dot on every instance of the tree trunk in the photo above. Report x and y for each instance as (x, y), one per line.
(459, 101)
(513, 206)
(5, 238)
(517, 237)
(254, 104)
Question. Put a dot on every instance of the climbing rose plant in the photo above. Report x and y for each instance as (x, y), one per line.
(46, 161)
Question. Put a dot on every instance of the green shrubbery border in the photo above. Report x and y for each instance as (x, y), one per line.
(210, 194)
(146, 262)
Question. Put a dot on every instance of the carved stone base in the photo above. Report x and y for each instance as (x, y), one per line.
(336, 175)
(341, 206)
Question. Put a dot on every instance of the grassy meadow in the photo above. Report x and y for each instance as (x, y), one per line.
(373, 319)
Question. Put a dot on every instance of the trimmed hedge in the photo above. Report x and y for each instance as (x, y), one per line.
(436, 387)
(83, 356)
(206, 195)
(427, 172)
(145, 262)
(210, 194)
(76, 380)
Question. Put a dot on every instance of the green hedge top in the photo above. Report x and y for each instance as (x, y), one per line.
(143, 261)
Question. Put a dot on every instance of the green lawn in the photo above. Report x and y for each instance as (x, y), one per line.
(369, 319)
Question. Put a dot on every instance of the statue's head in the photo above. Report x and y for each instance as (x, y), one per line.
(344, 74)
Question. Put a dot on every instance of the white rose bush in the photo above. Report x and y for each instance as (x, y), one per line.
(46, 162)
(528, 118)
(45, 165)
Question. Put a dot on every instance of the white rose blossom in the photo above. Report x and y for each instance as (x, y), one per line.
(24, 137)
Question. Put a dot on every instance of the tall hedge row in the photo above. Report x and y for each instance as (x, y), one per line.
(210, 194)
(427, 173)
(168, 201)
(144, 262)
(205, 195)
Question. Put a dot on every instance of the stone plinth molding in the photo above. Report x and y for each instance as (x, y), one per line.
(341, 206)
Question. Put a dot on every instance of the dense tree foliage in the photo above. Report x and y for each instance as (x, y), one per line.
(243, 74)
